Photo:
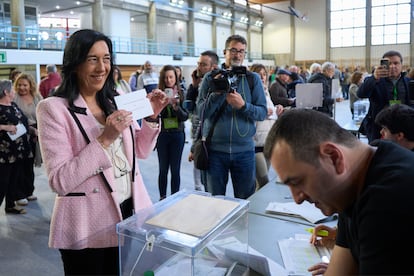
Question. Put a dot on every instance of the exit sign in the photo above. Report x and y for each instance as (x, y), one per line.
(3, 57)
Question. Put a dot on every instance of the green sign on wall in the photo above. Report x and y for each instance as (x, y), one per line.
(3, 57)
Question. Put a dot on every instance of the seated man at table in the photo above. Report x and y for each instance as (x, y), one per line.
(397, 122)
(397, 125)
(368, 186)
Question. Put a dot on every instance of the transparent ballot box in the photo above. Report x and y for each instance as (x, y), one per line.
(188, 233)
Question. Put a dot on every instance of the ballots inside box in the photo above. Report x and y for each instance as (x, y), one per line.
(178, 235)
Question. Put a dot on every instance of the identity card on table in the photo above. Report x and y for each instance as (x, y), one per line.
(136, 102)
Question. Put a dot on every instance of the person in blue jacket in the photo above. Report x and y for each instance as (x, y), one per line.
(231, 149)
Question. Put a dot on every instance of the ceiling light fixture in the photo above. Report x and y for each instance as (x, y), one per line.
(227, 15)
(206, 10)
(244, 19)
(258, 23)
(178, 3)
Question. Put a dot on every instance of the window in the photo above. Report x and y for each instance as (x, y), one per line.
(390, 22)
(347, 23)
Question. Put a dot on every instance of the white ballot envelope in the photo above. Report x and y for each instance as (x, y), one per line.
(21, 129)
(136, 102)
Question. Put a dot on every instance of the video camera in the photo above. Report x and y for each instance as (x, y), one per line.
(225, 81)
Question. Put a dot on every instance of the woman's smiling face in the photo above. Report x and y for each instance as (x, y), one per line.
(94, 71)
(23, 87)
(170, 79)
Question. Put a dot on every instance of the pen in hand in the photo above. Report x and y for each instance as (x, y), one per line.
(321, 233)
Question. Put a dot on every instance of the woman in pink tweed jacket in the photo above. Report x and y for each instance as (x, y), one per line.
(88, 149)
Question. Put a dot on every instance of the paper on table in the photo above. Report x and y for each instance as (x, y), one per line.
(195, 215)
(304, 210)
(21, 129)
(299, 255)
(136, 102)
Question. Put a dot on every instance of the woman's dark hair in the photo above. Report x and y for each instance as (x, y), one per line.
(119, 73)
(161, 80)
(13, 74)
(76, 52)
(356, 76)
(257, 67)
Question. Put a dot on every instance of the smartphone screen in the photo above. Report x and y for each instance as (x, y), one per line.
(385, 63)
(169, 92)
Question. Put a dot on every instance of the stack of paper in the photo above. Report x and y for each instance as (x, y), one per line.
(195, 215)
(305, 210)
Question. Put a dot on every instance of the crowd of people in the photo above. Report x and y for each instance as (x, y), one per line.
(90, 159)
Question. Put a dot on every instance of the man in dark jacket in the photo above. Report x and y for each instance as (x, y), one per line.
(387, 86)
(207, 62)
(325, 77)
(278, 90)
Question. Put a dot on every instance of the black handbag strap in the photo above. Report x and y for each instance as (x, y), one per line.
(82, 130)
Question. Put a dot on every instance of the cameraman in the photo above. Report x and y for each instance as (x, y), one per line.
(232, 147)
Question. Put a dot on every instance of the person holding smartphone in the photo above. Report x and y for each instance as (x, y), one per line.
(208, 61)
(388, 85)
(170, 143)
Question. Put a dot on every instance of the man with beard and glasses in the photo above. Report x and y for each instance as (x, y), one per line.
(236, 96)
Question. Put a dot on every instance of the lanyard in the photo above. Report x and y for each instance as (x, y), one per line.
(394, 92)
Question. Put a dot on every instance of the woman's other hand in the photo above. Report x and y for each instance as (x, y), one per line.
(158, 100)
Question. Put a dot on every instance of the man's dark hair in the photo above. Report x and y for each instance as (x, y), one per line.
(397, 118)
(213, 55)
(304, 130)
(237, 38)
(393, 53)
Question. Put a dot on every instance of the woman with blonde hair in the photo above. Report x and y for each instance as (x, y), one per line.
(27, 97)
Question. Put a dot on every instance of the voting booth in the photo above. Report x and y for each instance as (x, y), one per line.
(188, 233)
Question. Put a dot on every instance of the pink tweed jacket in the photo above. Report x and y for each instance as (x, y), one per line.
(88, 219)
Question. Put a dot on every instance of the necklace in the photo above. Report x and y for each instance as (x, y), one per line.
(118, 159)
